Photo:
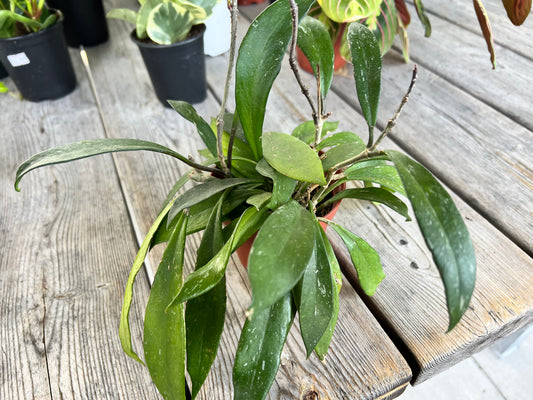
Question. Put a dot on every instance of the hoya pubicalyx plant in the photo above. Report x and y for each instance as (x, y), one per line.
(278, 186)
(165, 21)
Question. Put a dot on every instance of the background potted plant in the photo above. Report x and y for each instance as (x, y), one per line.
(85, 23)
(279, 186)
(170, 37)
(33, 49)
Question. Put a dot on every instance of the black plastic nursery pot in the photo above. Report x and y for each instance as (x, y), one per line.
(3, 72)
(39, 63)
(177, 70)
(85, 22)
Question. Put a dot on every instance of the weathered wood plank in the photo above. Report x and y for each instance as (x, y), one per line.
(64, 261)
(147, 178)
(415, 307)
(505, 33)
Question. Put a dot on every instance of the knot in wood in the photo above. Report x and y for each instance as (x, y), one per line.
(311, 395)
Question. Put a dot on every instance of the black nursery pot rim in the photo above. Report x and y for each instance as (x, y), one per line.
(150, 44)
(58, 22)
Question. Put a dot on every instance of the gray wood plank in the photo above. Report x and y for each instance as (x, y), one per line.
(410, 302)
(65, 261)
(516, 38)
(131, 111)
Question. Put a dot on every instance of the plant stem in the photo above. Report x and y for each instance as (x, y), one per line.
(292, 60)
(220, 119)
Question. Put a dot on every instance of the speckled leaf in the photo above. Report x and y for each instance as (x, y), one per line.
(292, 157)
(315, 43)
(164, 330)
(306, 130)
(366, 60)
(258, 64)
(444, 231)
(283, 185)
(339, 154)
(381, 173)
(259, 351)
(364, 258)
(341, 138)
(280, 254)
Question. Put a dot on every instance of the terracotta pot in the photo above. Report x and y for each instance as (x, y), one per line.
(244, 251)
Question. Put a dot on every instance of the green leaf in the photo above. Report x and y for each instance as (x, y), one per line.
(188, 112)
(169, 23)
(339, 154)
(386, 25)
(258, 64)
(382, 174)
(375, 194)
(306, 130)
(315, 43)
(316, 294)
(164, 330)
(423, 17)
(444, 231)
(292, 157)
(259, 351)
(283, 185)
(366, 60)
(124, 14)
(203, 191)
(204, 315)
(88, 148)
(323, 345)
(259, 200)
(142, 17)
(124, 328)
(341, 138)
(350, 10)
(280, 254)
(364, 258)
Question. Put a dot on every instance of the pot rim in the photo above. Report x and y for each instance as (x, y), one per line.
(28, 36)
(153, 45)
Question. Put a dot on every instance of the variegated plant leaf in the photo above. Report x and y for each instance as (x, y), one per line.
(350, 10)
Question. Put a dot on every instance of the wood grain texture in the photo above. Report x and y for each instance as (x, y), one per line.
(410, 302)
(64, 262)
(380, 371)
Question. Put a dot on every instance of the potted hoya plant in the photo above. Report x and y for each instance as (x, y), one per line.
(170, 38)
(33, 49)
(278, 187)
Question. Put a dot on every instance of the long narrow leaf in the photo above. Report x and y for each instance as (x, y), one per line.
(283, 185)
(484, 23)
(444, 231)
(88, 148)
(259, 351)
(420, 10)
(258, 64)
(164, 330)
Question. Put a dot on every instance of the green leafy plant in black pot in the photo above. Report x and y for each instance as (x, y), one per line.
(279, 187)
(170, 38)
(33, 49)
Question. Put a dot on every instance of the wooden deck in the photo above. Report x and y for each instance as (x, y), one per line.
(71, 235)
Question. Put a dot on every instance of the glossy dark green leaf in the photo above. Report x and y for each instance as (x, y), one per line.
(375, 194)
(203, 191)
(316, 290)
(258, 64)
(444, 231)
(204, 315)
(323, 345)
(124, 328)
(283, 185)
(315, 43)
(340, 154)
(366, 60)
(382, 174)
(420, 10)
(188, 112)
(259, 351)
(88, 148)
(164, 330)
(484, 23)
(259, 200)
(341, 138)
(306, 130)
(517, 10)
(364, 258)
(292, 157)
(280, 254)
